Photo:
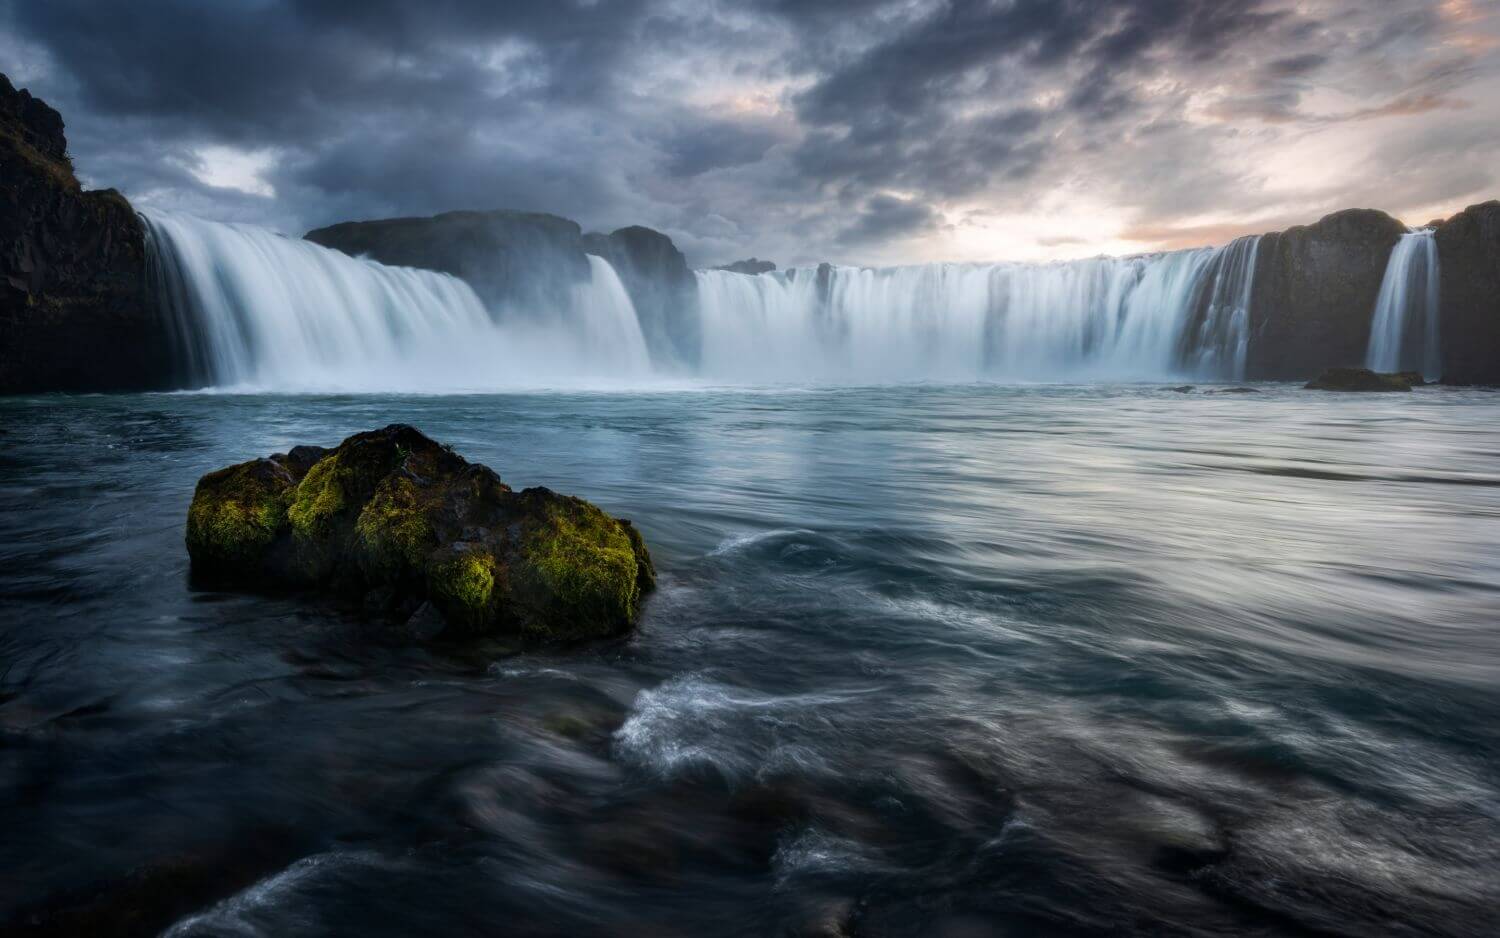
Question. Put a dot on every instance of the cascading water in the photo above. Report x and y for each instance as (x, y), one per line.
(1148, 317)
(1404, 330)
(259, 310)
(1222, 342)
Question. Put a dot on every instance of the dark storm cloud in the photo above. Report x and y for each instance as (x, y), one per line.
(803, 129)
(708, 144)
(884, 217)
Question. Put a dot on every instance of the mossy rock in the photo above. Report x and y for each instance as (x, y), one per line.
(399, 521)
(237, 515)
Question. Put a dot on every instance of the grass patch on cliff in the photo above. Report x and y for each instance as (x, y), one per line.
(60, 171)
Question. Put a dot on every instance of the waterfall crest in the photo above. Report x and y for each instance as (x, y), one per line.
(1162, 316)
(258, 310)
(255, 309)
(1404, 329)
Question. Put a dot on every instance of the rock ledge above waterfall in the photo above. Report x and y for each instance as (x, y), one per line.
(422, 536)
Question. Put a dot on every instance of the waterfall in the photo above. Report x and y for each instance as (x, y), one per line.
(258, 310)
(1162, 316)
(1404, 329)
(1222, 343)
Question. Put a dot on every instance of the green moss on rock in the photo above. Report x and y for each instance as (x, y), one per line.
(464, 586)
(394, 528)
(237, 513)
(317, 499)
(584, 564)
(401, 523)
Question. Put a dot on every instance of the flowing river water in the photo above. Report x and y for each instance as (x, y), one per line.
(969, 660)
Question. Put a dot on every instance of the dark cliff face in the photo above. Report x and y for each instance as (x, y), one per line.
(662, 288)
(528, 264)
(522, 263)
(1314, 294)
(74, 310)
(1469, 277)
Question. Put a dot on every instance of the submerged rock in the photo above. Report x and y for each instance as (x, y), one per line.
(419, 532)
(1360, 379)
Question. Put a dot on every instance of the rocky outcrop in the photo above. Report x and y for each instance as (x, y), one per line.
(1314, 293)
(524, 263)
(1362, 379)
(751, 266)
(527, 264)
(661, 287)
(1469, 275)
(74, 309)
(422, 536)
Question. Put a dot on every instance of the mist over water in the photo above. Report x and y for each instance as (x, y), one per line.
(1154, 317)
(259, 311)
(924, 660)
(262, 311)
(1404, 332)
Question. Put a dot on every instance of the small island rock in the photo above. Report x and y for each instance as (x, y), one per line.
(413, 528)
(1359, 379)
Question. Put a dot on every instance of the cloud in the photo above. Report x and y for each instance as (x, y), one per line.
(886, 217)
(835, 129)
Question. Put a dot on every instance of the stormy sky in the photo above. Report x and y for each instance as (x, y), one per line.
(863, 131)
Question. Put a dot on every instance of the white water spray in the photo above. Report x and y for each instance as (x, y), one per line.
(1404, 330)
(1184, 313)
(258, 310)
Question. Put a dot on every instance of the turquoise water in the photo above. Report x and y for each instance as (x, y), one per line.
(924, 660)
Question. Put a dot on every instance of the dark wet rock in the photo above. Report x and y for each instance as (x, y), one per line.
(523, 263)
(1469, 283)
(752, 266)
(1357, 379)
(1314, 294)
(1233, 391)
(151, 897)
(661, 287)
(413, 528)
(1182, 389)
(74, 309)
(426, 624)
(529, 263)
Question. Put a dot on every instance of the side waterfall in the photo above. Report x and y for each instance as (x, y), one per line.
(1404, 330)
(1179, 314)
(258, 310)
